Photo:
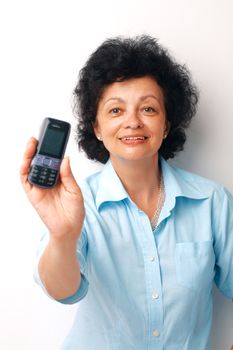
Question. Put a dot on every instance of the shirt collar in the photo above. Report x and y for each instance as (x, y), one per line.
(111, 188)
(178, 184)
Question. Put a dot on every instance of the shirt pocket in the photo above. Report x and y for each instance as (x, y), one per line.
(195, 264)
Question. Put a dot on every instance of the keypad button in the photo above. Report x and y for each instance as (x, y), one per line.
(46, 161)
(43, 175)
(55, 164)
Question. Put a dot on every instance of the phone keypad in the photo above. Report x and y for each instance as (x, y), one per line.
(43, 177)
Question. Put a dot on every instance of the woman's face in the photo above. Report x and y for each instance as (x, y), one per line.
(131, 119)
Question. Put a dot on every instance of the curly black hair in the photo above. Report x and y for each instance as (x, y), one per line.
(119, 59)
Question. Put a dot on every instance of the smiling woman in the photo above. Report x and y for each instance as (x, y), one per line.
(128, 244)
(132, 125)
(118, 60)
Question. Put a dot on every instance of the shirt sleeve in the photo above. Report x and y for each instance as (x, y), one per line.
(82, 258)
(223, 243)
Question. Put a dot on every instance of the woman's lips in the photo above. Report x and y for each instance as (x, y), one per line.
(133, 140)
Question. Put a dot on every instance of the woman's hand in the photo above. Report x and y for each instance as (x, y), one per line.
(61, 208)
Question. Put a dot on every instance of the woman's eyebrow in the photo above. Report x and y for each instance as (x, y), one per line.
(118, 99)
(142, 98)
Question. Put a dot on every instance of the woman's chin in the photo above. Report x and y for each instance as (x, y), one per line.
(134, 157)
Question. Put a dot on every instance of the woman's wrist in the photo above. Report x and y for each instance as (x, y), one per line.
(64, 244)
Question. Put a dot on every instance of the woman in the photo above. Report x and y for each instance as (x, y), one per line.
(143, 255)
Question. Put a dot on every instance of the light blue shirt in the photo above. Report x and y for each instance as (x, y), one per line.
(145, 290)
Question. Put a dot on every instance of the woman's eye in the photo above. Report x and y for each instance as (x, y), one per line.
(149, 109)
(115, 110)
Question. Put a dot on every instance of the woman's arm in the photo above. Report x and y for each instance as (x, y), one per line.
(62, 211)
(59, 268)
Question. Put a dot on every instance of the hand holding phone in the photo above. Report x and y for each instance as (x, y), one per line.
(45, 165)
(60, 206)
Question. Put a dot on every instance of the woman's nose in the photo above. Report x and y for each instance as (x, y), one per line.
(133, 120)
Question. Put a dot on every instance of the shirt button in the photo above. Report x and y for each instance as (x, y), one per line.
(151, 258)
(155, 295)
(156, 333)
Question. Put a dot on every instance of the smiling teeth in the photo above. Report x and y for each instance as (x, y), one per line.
(133, 138)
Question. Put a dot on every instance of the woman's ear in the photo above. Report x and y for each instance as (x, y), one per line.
(167, 129)
(96, 130)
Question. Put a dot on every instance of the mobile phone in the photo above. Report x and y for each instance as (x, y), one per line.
(53, 138)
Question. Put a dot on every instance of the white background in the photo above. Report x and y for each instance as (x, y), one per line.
(43, 46)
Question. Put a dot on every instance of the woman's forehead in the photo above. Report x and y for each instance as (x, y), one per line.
(142, 87)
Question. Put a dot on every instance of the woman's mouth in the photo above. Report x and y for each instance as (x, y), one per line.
(133, 140)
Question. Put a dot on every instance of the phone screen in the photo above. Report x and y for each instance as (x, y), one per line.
(53, 142)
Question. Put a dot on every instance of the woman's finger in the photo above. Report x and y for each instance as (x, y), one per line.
(67, 178)
(27, 158)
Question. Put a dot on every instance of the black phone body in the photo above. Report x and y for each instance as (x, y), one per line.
(53, 138)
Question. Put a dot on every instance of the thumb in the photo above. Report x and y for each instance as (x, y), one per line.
(67, 177)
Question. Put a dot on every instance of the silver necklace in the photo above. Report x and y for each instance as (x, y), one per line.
(160, 202)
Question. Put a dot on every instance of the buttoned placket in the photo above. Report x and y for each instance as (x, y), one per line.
(153, 282)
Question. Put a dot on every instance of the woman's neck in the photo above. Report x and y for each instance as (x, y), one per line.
(140, 178)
